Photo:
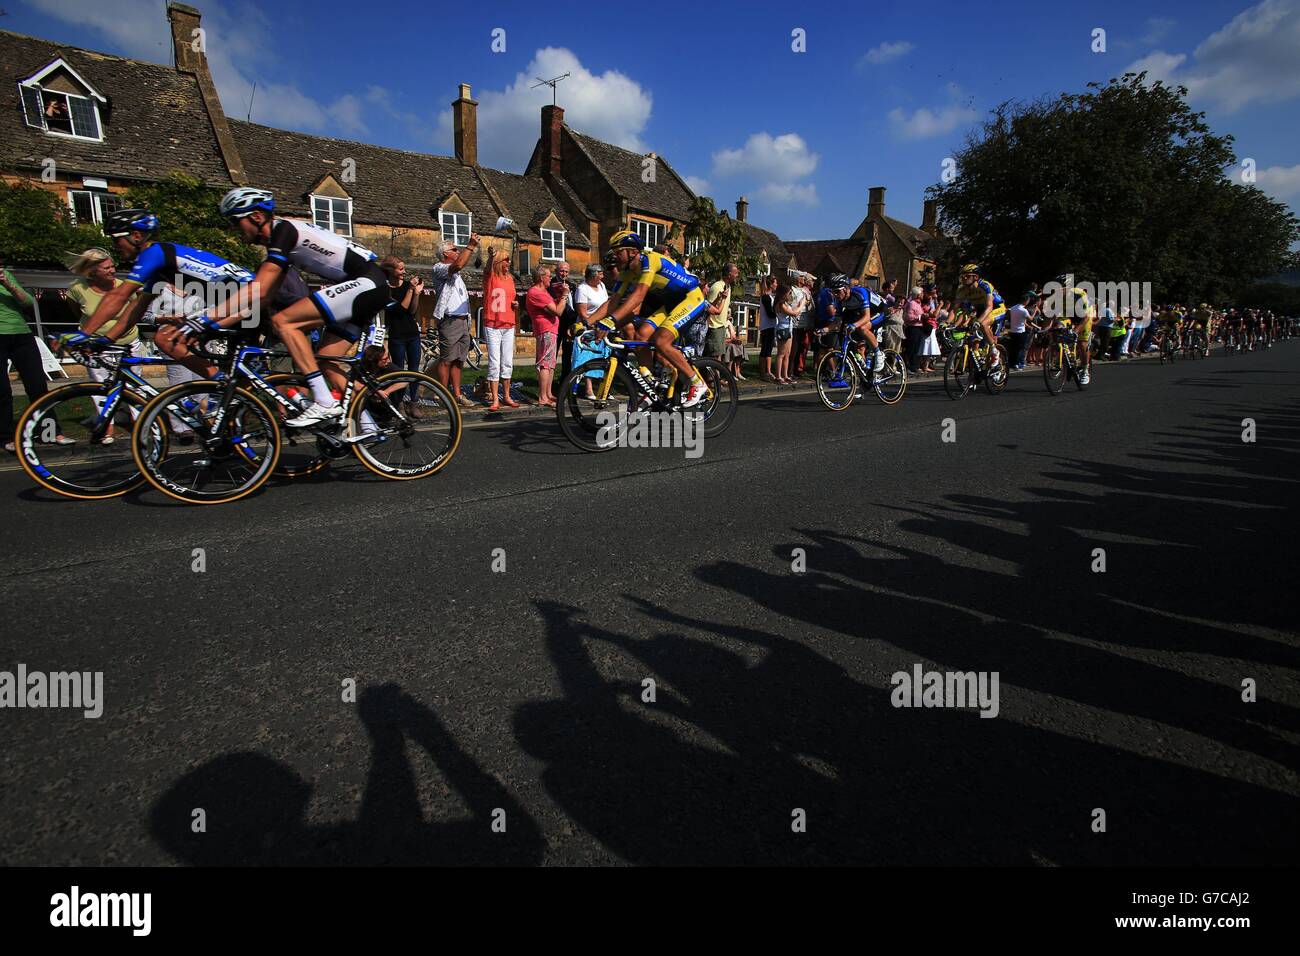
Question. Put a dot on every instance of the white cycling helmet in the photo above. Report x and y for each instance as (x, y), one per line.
(243, 200)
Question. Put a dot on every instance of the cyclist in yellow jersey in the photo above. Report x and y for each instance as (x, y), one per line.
(1081, 314)
(664, 295)
(985, 305)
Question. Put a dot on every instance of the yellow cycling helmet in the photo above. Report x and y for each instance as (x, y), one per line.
(626, 239)
(969, 268)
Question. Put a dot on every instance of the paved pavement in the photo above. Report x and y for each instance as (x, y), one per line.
(519, 696)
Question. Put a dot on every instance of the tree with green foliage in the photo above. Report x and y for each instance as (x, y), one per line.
(36, 230)
(1123, 183)
(186, 208)
(720, 240)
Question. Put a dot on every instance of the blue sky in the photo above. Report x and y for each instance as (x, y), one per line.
(882, 94)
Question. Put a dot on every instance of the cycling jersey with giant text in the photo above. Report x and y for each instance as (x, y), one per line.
(308, 246)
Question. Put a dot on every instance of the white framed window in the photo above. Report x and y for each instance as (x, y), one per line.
(332, 213)
(552, 243)
(455, 226)
(651, 232)
(63, 114)
(694, 245)
(92, 205)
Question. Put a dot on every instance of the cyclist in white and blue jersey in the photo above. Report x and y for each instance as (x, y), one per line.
(155, 266)
(342, 310)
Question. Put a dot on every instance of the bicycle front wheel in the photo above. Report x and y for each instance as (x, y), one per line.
(890, 380)
(407, 426)
(1054, 365)
(224, 462)
(837, 381)
(100, 419)
(959, 372)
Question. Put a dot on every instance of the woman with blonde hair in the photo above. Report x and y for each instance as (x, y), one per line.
(96, 277)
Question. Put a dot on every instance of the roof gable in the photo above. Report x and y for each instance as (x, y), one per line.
(667, 195)
(48, 73)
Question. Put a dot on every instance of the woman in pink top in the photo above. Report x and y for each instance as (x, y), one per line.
(499, 319)
(913, 328)
(544, 309)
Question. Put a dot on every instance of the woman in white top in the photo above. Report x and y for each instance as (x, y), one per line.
(591, 296)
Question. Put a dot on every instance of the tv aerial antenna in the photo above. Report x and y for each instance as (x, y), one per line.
(551, 83)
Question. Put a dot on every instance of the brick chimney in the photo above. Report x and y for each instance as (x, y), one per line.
(930, 218)
(188, 46)
(876, 203)
(552, 123)
(464, 112)
(742, 209)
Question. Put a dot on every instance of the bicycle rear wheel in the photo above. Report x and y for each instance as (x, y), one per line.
(223, 464)
(837, 381)
(890, 381)
(719, 409)
(959, 372)
(89, 469)
(401, 445)
(595, 424)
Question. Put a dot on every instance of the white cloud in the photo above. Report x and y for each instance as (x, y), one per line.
(1252, 58)
(609, 106)
(925, 122)
(886, 52)
(803, 194)
(768, 158)
(773, 164)
(1280, 182)
(138, 28)
(698, 186)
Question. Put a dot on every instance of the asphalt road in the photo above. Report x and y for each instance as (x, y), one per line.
(518, 696)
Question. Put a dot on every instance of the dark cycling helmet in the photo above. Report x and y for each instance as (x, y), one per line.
(245, 200)
(123, 222)
(839, 281)
(626, 239)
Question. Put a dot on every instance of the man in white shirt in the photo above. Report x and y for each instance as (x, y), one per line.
(451, 311)
(1019, 318)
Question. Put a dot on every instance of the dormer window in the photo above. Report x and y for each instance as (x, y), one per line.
(58, 101)
(455, 226)
(332, 213)
(331, 206)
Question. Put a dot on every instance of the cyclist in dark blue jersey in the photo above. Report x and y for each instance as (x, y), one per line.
(156, 266)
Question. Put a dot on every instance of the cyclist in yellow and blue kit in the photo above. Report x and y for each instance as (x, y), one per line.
(979, 298)
(665, 296)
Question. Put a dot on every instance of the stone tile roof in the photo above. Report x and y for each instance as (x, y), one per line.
(155, 121)
(393, 187)
(527, 200)
(919, 243)
(667, 196)
(756, 240)
(822, 256)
